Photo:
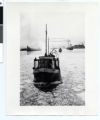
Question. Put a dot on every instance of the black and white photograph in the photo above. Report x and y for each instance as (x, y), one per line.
(52, 58)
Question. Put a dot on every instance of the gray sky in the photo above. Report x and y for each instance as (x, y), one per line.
(61, 27)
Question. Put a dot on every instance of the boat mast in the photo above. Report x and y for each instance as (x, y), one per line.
(46, 41)
(48, 46)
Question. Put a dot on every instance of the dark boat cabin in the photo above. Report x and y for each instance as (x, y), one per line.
(46, 62)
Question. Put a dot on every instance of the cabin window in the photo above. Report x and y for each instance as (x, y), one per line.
(41, 64)
(49, 63)
(53, 64)
(35, 63)
(45, 63)
(56, 63)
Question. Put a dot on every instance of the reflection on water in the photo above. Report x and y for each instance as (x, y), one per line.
(70, 92)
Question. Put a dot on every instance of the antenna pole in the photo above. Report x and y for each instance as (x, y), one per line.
(46, 41)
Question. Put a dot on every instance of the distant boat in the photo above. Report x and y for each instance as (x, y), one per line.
(33, 49)
(60, 50)
(46, 70)
(70, 48)
(30, 49)
(80, 46)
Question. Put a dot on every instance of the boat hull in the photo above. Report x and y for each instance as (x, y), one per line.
(46, 79)
(70, 48)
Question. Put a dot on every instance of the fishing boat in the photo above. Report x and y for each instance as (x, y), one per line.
(46, 70)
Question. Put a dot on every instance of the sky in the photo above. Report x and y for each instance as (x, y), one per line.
(61, 26)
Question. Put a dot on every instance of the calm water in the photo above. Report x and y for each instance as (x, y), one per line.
(70, 92)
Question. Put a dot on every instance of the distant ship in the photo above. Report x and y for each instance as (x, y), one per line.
(33, 49)
(46, 70)
(80, 46)
(30, 49)
(70, 48)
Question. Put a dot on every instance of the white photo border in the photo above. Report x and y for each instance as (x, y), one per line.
(13, 62)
